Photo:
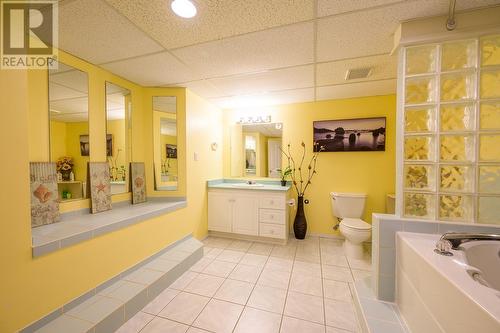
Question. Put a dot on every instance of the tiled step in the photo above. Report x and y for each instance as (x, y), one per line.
(377, 316)
(110, 305)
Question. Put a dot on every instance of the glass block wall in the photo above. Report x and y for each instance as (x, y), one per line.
(451, 134)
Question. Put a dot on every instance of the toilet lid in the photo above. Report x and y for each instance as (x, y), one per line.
(356, 224)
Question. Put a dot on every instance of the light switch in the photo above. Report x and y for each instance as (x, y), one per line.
(196, 157)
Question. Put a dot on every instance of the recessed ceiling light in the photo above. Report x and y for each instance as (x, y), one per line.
(184, 8)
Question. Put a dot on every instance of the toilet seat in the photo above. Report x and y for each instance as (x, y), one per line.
(357, 224)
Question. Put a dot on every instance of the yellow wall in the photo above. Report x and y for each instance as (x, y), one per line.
(31, 288)
(117, 129)
(368, 172)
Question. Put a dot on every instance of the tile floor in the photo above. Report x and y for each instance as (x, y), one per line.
(240, 286)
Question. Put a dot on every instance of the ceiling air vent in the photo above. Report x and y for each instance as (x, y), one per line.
(358, 73)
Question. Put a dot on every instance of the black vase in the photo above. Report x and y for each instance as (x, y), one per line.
(283, 183)
(300, 223)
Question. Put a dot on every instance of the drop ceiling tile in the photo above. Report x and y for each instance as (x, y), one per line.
(271, 98)
(329, 7)
(359, 89)
(281, 79)
(216, 19)
(281, 47)
(368, 32)
(383, 67)
(96, 32)
(202, 88)
(57, 92)
(152, 70)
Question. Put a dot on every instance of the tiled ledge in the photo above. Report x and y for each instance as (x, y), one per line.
(108, 306)
(79, 226)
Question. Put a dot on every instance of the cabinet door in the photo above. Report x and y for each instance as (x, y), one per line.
(246, 215)
(220, 211)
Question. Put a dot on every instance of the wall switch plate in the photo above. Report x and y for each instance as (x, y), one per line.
(196, 157)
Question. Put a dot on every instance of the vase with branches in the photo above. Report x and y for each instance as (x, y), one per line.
(301, 179)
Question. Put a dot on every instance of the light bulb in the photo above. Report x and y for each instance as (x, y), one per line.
(184, 8)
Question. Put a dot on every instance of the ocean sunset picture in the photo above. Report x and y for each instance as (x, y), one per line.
(365, 134)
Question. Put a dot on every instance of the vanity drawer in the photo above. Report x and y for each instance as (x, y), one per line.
(273, 202)
(272, 216)
(272, 230)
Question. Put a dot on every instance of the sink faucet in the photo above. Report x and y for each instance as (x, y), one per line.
(453, 240)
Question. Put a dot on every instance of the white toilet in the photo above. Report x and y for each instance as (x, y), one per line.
(348, 207)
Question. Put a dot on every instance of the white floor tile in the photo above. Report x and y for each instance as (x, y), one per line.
(364, 264)
(234, 291)
(268, 298)
(201, 264)
(272, 278)
(162, 325)
(254, 260)
(183, 280)
(294, 325)
(305, 307)
(136, 323)
(261, 248)
(254, 320)
(184, 308)
(337, 290)
(213, 253)
(360, 275)
(306, 284)
(205, 285)
(286, 252)
(230, 256)
(161, 301)
(245, 273)
(219, 268)
(333, 259)
(341, 315)
(219, 316)
(279, 264)
(196, 330)
(330, 329)
(240, 245)
(64, 324)
(307, 268)
(337, 273)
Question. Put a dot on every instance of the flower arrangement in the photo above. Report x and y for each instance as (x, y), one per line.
(301, 182)
(64, 164)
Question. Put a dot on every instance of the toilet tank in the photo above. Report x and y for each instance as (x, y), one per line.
(348, 205)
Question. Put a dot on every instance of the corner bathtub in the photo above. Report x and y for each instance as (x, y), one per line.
(436, 293)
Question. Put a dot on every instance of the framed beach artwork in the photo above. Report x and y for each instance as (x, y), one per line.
(138, 182)
(362, 134)
(99, 186)
(171, 151)
(44, 194)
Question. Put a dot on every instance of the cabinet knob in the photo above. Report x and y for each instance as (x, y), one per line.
(272, 202)
(271, 231)
(272, 217)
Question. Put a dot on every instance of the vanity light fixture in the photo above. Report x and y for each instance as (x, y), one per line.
(184, 8)
(254, 120)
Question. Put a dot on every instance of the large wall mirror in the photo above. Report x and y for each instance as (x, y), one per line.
(118, 136)
(165, 142)
(69, 130)
(256, 150)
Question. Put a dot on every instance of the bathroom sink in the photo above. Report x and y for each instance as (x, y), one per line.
(245, 185)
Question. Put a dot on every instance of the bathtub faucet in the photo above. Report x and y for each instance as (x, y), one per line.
(454, 239)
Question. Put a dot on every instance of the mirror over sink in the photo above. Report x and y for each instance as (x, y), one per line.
(256, 150)
(69, 130)
(165, 142)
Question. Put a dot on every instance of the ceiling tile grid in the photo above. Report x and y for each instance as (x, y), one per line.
(281, 79)
(383, 67)
(217, 19)
(153, 70)
(358, 89)
(253, 51)
(94, 31)
(280, 47)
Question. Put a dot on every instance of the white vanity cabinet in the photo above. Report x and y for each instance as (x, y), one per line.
(248, 212)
